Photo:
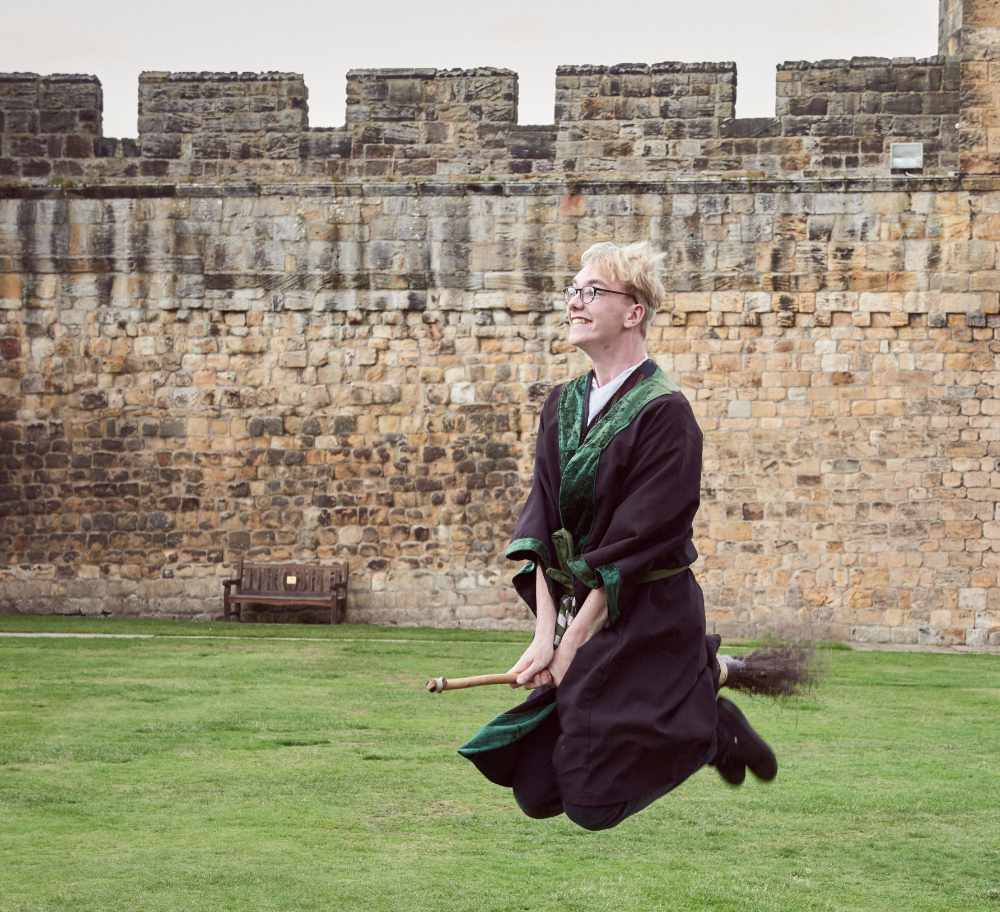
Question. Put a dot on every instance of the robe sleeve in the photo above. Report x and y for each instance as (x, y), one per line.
(660, 489)
(539, 517)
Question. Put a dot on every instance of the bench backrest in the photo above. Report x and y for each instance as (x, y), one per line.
(278, 579)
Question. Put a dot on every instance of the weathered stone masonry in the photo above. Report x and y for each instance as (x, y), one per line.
(239, 335)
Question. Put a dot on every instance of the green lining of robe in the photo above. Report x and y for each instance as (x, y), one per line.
(612, 579)
(581, 570)
(535, 545)
(505, 729)
(572, 399)
(529, 567)
(608, 578)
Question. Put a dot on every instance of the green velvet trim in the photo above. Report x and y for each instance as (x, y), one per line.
(505, 729)
(535, 545)
(612, 579)
(525, 568)
(579, 461)
(581, 570)
(571, 402)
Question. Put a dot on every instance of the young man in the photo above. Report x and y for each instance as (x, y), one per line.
(624, 707)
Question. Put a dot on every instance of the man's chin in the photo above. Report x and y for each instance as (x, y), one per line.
(580, 341)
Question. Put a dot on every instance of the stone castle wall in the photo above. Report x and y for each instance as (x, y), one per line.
(241, 336)
(832, 117)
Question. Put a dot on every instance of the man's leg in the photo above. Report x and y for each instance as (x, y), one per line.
(739, 747)
(605, 816)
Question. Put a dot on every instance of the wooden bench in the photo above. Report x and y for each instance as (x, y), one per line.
(286, 585)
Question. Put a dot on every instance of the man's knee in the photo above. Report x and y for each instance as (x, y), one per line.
(602, 817)
(538, 809)
(537, 795)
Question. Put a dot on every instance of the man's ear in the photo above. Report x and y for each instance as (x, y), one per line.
(634, 320)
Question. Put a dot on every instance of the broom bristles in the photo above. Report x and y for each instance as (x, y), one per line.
(773, 671)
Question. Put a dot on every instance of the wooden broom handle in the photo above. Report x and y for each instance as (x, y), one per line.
(437, 685)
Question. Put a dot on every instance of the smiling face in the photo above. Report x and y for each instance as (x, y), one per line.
(607, 323)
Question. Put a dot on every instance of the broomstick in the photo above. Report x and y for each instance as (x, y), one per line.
(772, 671)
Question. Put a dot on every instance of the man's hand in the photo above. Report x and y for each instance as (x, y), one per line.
(532, 668)
(541, 664)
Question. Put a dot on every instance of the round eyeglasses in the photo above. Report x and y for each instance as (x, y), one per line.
(589, 292)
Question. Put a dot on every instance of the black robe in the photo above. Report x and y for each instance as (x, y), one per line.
(636, 708)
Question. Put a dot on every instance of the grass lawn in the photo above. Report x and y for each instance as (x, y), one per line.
(256, 773)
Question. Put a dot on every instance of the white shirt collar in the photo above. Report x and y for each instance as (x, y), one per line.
(601, 395)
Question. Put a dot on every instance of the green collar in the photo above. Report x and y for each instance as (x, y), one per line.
(579, 456)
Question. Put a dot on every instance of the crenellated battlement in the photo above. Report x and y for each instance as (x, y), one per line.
(47, 118)
(674, 119)
(669, 119)
(640, 92)
(483, 95)
(202, 116)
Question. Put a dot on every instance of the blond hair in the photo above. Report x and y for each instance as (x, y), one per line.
(636, 266)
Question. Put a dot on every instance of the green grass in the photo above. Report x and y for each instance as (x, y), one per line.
(28, 623)
(255, 773)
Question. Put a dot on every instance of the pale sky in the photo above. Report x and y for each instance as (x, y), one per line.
(115, 41)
